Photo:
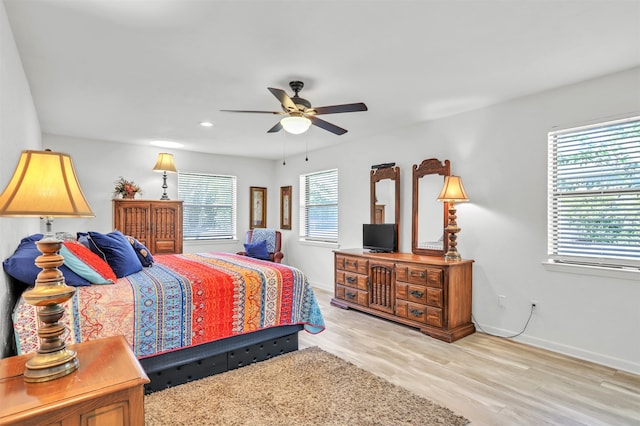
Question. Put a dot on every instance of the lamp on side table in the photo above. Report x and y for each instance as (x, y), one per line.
(452, 192)
(44, 185)
(165, 164)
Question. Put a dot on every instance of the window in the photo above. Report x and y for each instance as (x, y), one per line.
(209, 205)
(319, 206)
(594, 194)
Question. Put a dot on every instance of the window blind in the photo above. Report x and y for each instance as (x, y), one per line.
(209, 205)
(594, 194)
(319, 206)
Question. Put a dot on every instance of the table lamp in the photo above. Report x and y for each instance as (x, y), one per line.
(44, 185)
(165, 164)
(452, 192)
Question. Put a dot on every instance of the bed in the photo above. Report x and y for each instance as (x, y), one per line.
(190, 315)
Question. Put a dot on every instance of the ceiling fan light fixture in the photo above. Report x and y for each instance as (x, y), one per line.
(295, 124)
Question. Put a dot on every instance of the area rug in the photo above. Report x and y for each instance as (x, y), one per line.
(305, 387)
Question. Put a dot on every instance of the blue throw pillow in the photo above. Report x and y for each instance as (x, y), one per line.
(141, 250)
(21, 265)
(258, 250)
(116, 251)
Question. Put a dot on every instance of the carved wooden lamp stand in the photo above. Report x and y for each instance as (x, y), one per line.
(452, 192)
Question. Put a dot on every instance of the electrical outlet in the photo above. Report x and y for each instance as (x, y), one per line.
(502, 300)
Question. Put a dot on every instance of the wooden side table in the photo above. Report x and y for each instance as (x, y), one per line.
(107, 389)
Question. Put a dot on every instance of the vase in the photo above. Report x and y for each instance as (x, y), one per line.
(128, 196)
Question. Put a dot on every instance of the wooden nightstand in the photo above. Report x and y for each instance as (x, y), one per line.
(107, 389)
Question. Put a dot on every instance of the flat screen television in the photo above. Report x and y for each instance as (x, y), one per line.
(380, 237)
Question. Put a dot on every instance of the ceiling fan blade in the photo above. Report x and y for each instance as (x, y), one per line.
(334, 109)
(255, 112)
(284, 99)
(275, 128)
(326, 125)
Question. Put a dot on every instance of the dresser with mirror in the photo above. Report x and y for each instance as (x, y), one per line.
(419, 289)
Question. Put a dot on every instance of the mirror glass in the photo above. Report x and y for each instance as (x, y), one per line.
(429, 215)
(385, 201)
(385, 197)
(430, 231)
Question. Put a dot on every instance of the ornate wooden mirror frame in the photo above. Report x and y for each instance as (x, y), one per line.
(432, 166)
(380, 200)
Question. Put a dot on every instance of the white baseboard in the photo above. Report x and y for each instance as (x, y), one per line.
(598, 358)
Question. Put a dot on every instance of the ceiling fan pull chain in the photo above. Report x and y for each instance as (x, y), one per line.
(284, 156)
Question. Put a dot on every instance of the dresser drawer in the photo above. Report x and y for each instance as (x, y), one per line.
(419, 312)
(353, 264)
(352, 295)
(352, 280)
(411, 292)
(420, 275)
(411, 274)
(412, 311)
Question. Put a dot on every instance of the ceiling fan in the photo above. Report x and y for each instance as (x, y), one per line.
(300, 113)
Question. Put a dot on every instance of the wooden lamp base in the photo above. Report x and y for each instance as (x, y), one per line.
(52, 359)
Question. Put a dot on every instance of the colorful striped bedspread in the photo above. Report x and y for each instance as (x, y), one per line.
(183, 300)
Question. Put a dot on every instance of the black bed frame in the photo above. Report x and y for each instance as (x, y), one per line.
(192, 363)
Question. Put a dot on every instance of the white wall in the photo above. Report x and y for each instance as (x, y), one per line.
(501, 154)
(19, 130)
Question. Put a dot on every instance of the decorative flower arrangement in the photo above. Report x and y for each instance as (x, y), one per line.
(126, 188)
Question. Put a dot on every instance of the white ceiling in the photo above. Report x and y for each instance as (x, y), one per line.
(140, 70)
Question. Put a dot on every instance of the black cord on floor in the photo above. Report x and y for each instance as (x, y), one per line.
(505, 337)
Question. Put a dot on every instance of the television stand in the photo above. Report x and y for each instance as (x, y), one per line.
(426, 292)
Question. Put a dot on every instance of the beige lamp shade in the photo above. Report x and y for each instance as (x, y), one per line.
(165, 163)
(452, 190)
(44, 184)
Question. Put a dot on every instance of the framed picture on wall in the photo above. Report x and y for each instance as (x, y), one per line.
(285, 207)
(258, 207)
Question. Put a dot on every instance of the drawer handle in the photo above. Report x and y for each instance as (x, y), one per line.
(416, 312)
(417, 294)
(351, 280)
(354, 263)
(350, 295)
(417, 274)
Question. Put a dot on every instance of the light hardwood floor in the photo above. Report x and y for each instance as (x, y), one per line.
(489, 380)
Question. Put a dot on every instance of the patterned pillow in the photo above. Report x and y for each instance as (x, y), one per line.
(86, 263)
(141, 250)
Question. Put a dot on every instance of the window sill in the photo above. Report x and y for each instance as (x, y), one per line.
(313, 243)
(597, 271)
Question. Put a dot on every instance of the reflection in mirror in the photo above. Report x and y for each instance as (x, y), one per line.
(385, 202)
(385, 196)
(429, 217)
(430, 235)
